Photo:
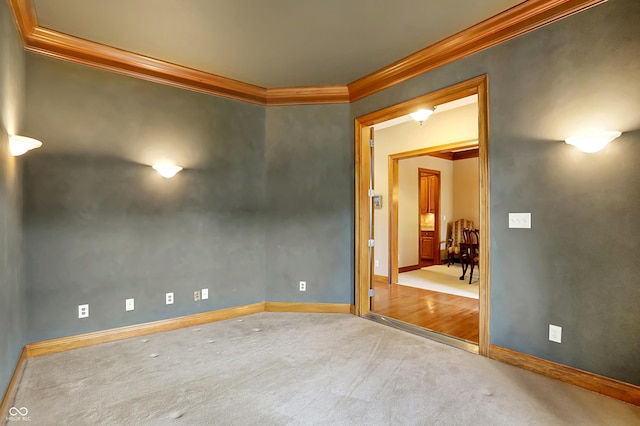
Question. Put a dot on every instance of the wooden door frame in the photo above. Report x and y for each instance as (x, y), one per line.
(363, 274)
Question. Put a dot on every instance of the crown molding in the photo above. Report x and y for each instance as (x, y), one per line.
(63, 46)
(24, 12)
(509, 24)
(457, 155)
(308, 95)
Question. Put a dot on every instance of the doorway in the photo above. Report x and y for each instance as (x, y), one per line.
(364, 217)
(426, 295)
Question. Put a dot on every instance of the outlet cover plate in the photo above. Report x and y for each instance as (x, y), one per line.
(555, 333)
(169, 298)
(129, 305)
(303, 286)
(83, 311)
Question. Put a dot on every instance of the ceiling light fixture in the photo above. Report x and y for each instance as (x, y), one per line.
(592, 142)
(422, 114)
(166, 170)
(18, 145)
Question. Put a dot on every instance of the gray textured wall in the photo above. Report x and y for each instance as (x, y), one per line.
(101, 226)
(577, 267)
(12, 287)
(309, 161)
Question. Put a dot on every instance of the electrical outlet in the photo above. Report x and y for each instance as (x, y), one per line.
(129, 305)
(303, 286)
(519, 220)
(83, 311)
(205, 293)
(196, 295)
(555, 333)
(169, 298)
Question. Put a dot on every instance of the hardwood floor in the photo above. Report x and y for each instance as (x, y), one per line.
(455, 316)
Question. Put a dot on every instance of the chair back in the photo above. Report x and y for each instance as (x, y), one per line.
(471, 236)
(457, 231)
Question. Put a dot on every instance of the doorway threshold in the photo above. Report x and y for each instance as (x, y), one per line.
(423, 332)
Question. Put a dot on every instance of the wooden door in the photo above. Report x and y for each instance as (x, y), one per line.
(428, 213)
(433, 195)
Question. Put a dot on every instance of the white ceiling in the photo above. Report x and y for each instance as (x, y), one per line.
(458, 103)
(270, 43)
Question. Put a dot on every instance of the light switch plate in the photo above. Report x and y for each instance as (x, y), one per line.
(519, 220)
(129, 305)
(205, 293)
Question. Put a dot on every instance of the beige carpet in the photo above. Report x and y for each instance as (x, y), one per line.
(298, 369)
(443, 279)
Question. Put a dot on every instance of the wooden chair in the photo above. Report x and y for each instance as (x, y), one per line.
(470, 251)
(455, 238)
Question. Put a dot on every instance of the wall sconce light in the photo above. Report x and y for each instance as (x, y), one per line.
(422, 114)
(18, 145)
(592, 142)
(166, 170)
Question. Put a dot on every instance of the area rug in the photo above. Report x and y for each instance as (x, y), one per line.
(442, 279)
